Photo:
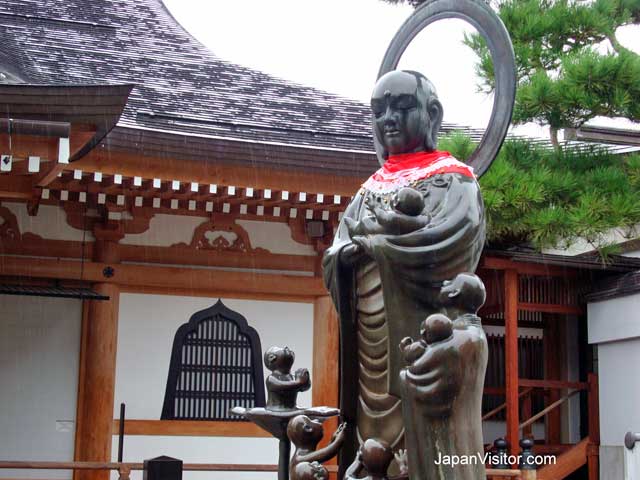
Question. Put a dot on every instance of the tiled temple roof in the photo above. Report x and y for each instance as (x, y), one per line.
(182, 87)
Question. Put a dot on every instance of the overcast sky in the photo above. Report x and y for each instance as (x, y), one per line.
(337, 46)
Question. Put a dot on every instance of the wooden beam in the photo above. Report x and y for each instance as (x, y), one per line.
(511, 359)
(552, 384)
(99, 379)
(25, 145)
(190, 428)
(49, 174)
(594, 409)
(196, 292)
(156, 276)
(217, 173)
(537, 269)
(15, 187)
(40, 247)
(192, 256)
(551, 308)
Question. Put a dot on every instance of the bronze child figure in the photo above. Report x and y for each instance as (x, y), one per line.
(372, 461)
(305, 434)
(282, 386)
(442, 385)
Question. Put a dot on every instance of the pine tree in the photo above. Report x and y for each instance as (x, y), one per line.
(551, 198)
(564, 77)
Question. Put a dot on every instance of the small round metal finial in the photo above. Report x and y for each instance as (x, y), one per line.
(526, 456)
(630, 439)
(486, 21)
(500, 446)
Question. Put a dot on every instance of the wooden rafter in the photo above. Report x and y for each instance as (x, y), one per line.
(147, 275)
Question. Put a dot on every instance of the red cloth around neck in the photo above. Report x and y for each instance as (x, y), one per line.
(405, 161)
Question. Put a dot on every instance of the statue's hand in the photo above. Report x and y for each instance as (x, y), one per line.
(302, 375)
(351, 254)
(366, 226)
(403, 461)
(412, 350)
(340, 432)
(405, 342)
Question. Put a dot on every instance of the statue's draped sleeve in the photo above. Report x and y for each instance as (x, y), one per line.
(414, 265)
(339, 279)
(449, 244)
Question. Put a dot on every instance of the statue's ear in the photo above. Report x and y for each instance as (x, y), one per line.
(435, 111)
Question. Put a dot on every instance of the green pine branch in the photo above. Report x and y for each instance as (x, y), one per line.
(548, 198)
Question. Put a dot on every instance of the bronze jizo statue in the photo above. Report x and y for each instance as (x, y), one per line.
(415, 224)
(402, 262)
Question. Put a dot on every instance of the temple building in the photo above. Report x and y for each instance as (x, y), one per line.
(163, 214)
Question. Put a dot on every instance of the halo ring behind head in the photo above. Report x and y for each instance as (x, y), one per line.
(486, 21)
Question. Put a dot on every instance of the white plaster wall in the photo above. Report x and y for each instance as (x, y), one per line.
(615, 319)
(50, 222)
(275, 237)
(619, 390)
(166, 230)
(148, 323)
(39, 355)
(614, 325)
(146, 328)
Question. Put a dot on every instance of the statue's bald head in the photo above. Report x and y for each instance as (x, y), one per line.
(406, 113)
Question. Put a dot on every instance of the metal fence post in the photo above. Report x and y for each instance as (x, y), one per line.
(631, 456)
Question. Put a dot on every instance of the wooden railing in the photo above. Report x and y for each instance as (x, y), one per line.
(124, 469)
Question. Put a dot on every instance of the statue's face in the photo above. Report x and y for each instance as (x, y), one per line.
(400, 118)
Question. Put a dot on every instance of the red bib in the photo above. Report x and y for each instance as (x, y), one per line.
(402, 170)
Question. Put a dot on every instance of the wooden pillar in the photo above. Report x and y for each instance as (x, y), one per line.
(97, 385)
(325, 362)
(554, 347)
(511, 358)
(594, 428)
(96, 389)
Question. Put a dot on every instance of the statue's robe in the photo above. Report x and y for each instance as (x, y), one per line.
(385, 297)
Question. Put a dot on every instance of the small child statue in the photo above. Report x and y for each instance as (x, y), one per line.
(305, 434)
(282, 386)
(441, 387)
(406, 215)
(372, 461)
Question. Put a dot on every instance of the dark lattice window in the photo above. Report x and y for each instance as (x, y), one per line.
(530, 365)
(215, 365)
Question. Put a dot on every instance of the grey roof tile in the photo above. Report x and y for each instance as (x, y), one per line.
(121, 41)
